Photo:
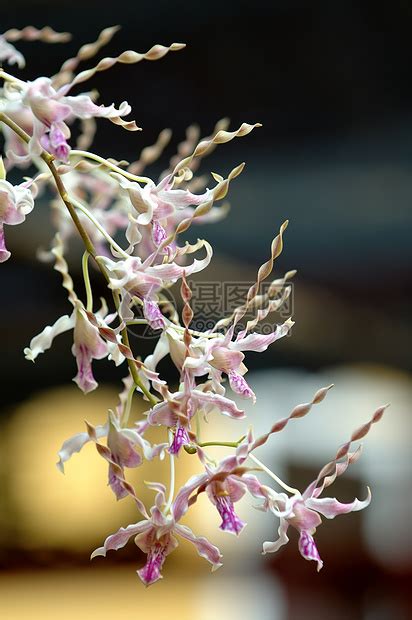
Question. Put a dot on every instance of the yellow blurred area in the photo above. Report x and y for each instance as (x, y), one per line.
(108, 594)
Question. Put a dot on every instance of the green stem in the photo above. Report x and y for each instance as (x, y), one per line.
(100, 228)
(86, 278)
(228, 444)
(274, 476)
(128, 406)
(172, 477)
(48, 159)
(110, 165)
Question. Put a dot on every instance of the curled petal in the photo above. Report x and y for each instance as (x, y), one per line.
(43, 341)
(83, 107)
(88, 345)
(160, 489)
(209, 400)
(204, 548)
(121, 537)
(116, 481)
(272, 547)
(84, 378)
(330, 507)
(150, 451)
(48, 110)
(171, 272)
(260, 342)
(127, 57)
(75, 444)
(160, 351)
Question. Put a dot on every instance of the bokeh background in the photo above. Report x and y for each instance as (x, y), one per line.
(330, 81)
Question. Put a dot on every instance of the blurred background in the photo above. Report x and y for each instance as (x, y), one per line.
(330, 82)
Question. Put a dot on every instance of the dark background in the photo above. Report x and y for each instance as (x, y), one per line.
(330, 82)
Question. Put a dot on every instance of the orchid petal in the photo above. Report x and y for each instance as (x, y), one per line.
(239, 385)
(331, 507)
(224, 405)
(308, 548)
(4, 252)
(260, 342)
(181, 502)
(43, 341)
(204, 548)
(121, 537)
(75, 444)
(272, 547)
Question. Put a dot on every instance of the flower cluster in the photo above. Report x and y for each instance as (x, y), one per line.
(132, 228)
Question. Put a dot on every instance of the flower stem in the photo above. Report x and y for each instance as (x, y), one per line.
(172, 477)
(274, 476)
(128, 406)
(109, 164)
(100, 228)
(10, 78)
(86, 278)
(228, 444)
(48, 159)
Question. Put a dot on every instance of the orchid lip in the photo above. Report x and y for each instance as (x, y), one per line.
(230, 521)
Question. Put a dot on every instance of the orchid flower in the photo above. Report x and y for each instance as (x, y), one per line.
(216, 355)
(155, 204)
(305, 517)
(16, 149)
(224, 485)
(126, 447)
(156, 537)
(51, 109)
(16, 201)
(178, 409)
(143, 279)
(87, 344)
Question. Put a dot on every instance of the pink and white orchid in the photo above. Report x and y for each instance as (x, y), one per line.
(51, 110)
(88, 345)
(16, 201)
(126, 448)
(143, 279)
(305, 517)
(156, 536)
(178, 409)
(156, 204)
(224, 485)
(215, 353)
